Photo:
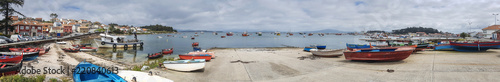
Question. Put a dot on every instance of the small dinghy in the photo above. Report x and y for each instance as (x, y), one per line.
(88, 49)
(167, 51)
(10, 68)
(328, 52)
(102, 75)
(74, 50)
(137, 76)
(185, 65)
(11, 58)
(207, 57)
(154, 56)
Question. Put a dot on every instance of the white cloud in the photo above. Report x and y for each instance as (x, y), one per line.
(276, 15)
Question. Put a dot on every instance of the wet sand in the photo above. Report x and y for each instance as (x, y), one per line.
(283, 65)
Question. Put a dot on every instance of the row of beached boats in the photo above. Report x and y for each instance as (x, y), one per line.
(397, 52)
(11, 62)
(80, 47)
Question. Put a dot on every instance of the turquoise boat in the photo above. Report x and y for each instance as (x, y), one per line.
(443, 47)
(103, 75)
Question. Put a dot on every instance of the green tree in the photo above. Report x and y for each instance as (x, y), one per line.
(463, 35)
(7, 10)
(53, 16)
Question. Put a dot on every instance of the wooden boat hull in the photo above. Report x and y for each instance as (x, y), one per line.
(141, 76)
(82, 75)
(155, 55)
(188, 57)
(356, 46)
(321, 47)
(74, 50)
(10, 69)
(328, 53)
(185, 65)
(11, 59)
(443, 47)
(168, 51)
(378, 56)
(474, 47)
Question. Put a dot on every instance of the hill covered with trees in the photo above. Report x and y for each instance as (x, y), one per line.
(158, 27)
(415, 29)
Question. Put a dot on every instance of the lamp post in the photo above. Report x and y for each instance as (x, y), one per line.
(495, 17)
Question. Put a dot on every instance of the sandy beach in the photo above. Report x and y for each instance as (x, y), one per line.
(283, 65)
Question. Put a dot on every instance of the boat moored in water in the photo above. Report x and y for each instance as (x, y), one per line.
(167, 51)
(109, 41)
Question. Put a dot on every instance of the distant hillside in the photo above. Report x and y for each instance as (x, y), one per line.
(159, 28)
(415, 29)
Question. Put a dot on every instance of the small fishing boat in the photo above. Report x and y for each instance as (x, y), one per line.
(474, 47)
(78, 45)
(207, 57)
(198, 52)
(88, 49)
(328, 52)
(443, 47)
(196, 48)
(74, 50)
(356, 46)
(421, 47)
(10, 68)
(222, 36)
(160, 37)
(11, 58)
(308, 48)
(310, 34)
(321, 46)
(385, 54)
(192, 38)
(229, 34)
(154, 55)
(137, 76)
(259, 33)
(110, 41)
(101, 75)
(167, 51)
(245, 34)
(20, 53)
(185, 65)
(195, 44)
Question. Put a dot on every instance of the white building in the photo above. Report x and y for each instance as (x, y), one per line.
(488, 31)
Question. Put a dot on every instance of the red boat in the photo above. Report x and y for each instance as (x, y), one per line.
(222, 36)
(310, 34)
(385, 54)
(209, 53)
(167, 51)
(154, 56)
(229, 34)
(207, 57)
(195, 44)
(74, 50)
(40, 50)
(10, 68)
(11, 58)
(244, 35)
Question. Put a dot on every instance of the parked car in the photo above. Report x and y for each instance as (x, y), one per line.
(7, 39)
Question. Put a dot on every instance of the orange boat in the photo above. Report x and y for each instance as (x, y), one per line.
(167, 51)
(385, 54)
(209, 53)
(207, 57)
(195, 44)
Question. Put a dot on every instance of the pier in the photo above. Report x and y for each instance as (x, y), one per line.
(73, 36)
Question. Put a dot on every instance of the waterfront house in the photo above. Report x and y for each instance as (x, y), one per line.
(27, 27)
(488, 31)
(67, 29)
(83, 29)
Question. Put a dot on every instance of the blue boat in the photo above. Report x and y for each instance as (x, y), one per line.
(196, 49)
(474, 47)
(321, 46)
(308, 48)
(356, 46)
(102, 75)
(30, 58)
(443, 47)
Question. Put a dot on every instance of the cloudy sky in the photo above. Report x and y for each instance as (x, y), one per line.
(277, 15)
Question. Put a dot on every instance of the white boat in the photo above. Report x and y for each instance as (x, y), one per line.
(141, 76)
(88, 49)
(110, 41)
(61, 42)
(327, 52)
(185, 65)
(160, 37)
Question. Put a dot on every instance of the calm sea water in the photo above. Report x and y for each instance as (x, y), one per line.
(153, 44)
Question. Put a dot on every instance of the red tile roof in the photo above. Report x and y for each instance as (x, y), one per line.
(492, 27)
